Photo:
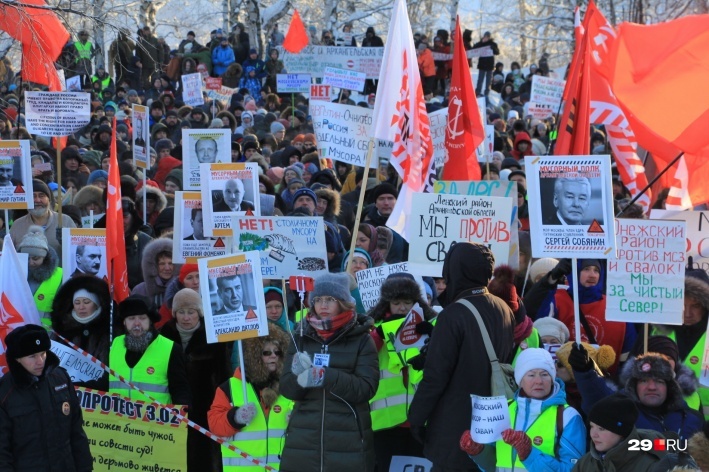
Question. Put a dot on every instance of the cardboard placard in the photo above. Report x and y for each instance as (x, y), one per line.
(192, 89)
(83, 252)
(546, 90)
(189, 241)
(227, 190)
(213, 83)
(313, 60)
(697, 233)
(222, 94)
(56, 113)
(320, 92)
(369, 282)
(438, 120)
(293, 83)
(141, 136)
(342, 131)
(202, 146)
(491, 416)
(16, 175)
(80, 368)
(344, 79)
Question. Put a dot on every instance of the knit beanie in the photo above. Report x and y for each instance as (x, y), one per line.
(549, 326)
(272, 296)
(40, 186)
(98, 174)
(590, 262)
(307, 192)
(534, 358)
(297, 169)
(187, 298)
(34, 242)
(333, 285)
(358, 252)
(383, 189)
(615, 413)
(276, 127)
(137, 305)
(83, 293)
(186, 270)
(26, 340)
(542, 267)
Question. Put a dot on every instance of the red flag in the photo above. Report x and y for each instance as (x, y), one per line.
(465, 130)
(115, 236)
(42, 36)
(296, 37)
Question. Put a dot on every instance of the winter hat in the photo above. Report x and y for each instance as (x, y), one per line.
(26, 340)
(383, 189)
(295, 169)
(298, 139)
(40, 186)
(505, 174)
(590, 262)
(276, 127)
(165, 220)
(216, 123)
(297, 181)
(510, 163)
(272, 296)
(534, 358)
(310, 167)
(187, 298)
(542, 267)
(652, 366)
(549, 326)
(333, 285)
(400, 286)
(163, 144)
(275, 174)
(659, 344)
(98, 174)
(358, 252)
(516, 172)
(186, 270)
(616, 413)
(34, 242)
(502, 286)
(83, 293)
(307, 192)
(137, 305)
(603, 356)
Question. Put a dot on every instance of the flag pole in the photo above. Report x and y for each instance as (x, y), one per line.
(362, 189)
(650, 184)
(59, 178)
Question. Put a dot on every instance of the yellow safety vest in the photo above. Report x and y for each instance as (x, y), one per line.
(149, 374)
(542, 433)
(531, 341)
(699, 400)
(263, 438)
(84, 50)
(104, 83)
(44, 296)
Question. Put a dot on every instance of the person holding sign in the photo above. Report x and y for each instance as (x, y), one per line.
(331, 426)
(257, 424)
(539, 413)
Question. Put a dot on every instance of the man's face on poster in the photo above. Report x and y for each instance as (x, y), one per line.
(197, 225)
(571, 199)
(234, 194)
(206, 150)
(88, 259)
(6, 173)
(231, 293)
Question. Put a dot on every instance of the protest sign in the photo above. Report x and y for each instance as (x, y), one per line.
(645, 274)
(213, 83)
(344, 79)
(436, 221)
(438, 121)
(470, 53)
(546, 90)
(570, 206)
(73, 84)
(189, 241)
(697, 233)
(234, 287)
(410, 464)
(495, 98)
(222, 94)
(192, 89)
(490, 188)
(314, 59)
(369, 282)
(538, 111)
(133, 435)
(141, 136)
(288, 245)
(88, 221)
(491, 417)
(320, 92)
(16, 175)
(293, 83)
(200, 146)
(228, 189)
(486, 148)
(80, 368)
(56, 113)
(407, 337)
(342, 131)
(83, 252)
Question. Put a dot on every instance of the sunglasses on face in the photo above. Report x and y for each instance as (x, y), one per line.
(269, 353)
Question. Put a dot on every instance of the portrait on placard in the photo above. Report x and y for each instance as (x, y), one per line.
(203, 146)
(228, 190)
(84, 252)
(189, 240)
(141, 136)
(15, 175)
(571, 201)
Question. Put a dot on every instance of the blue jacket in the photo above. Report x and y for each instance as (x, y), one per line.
(221, 58)
(676, 416)
(572, 444)
(258, 65)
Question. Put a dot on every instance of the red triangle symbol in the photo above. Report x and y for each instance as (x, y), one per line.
(250, 315)
(219, 242)
(19, 189)
(595, 227)
(249, 213)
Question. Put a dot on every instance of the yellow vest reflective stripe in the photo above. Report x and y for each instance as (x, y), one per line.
(104, 83)
(542, 433)
(84, 50)
(300, 314)
(149, 374)
(531, 341)
(263, 438)
(44, 296)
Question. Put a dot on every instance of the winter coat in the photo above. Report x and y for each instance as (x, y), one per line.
(92, 337)
(164, 166)
(153, 286)
(571, 445)
(427, 67)
(149, 52)
(41, 425)
(222, 57)
(620, 459)
(519, 138)
(331, 428)
(160, 206)
(252, 84)
(487, 63)
(399, 250)
(43, 274)
(442, 401)
(258, 65)
(202, 56)
(273, 68)
(372, 41)
(232, 75)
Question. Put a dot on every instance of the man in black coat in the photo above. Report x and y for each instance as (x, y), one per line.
(456, 365)
(486, 63)
(40, 416)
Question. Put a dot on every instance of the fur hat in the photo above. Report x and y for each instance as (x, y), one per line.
(26, 340)
(333, 285)
(603, 357)
(652, 366)
(187, 298)
(549, 326)
(542, 267)
(34, 242)
(615, 413)
(400, 286)
(256, 372)
(534, 358)
(137, 305)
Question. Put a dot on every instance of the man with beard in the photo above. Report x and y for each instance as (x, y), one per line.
(150, 360)
(43, 216)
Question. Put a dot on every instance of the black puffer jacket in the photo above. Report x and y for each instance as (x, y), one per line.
(40, 422)
(331, 428)
(457, 365)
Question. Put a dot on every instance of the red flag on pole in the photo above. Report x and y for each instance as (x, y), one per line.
(465, 130)
(115, 235)
(296, 37)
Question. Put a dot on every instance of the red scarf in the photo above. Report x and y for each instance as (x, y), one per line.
(329, 326)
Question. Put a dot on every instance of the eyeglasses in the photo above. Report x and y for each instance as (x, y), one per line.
(269, 353)
(324, 300)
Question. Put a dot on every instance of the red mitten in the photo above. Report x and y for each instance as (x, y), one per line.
(519, 440)
(469, 446)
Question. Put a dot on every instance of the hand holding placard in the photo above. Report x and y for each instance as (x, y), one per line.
(491, 417)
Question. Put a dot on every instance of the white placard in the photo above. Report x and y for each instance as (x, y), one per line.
(697, 233)
(406, 336)
(342, 131)
(73, 84)
(293, 83)
(491, 416)
(222, 94)
(80, 368)
(16, 175)
(320, 92)
(570, 206)
(547, 90)
(141, 136)
(234, 288)
(539, 111)
(288, 245)
(88, 221)
(369, 282)
(645, 278)
(410, 464)
(56, 113)
(438, 120)
(192, 89)
(203, 146)
(436, 221)
(227, 190)
(189, 241)
(313, 60)
(83, 252)
(344, 79)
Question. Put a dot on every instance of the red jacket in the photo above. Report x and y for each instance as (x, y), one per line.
(165, 165)
(426, 64)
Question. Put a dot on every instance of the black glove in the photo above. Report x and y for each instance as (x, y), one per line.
(419, 433)
(417, 362)
(424, 327)
(562, 269)
(579, 360)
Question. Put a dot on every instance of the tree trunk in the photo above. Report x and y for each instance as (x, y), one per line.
(99, 33)
(253, 25)
(522, 37)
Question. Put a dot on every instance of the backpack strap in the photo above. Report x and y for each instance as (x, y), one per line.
(559, 428)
